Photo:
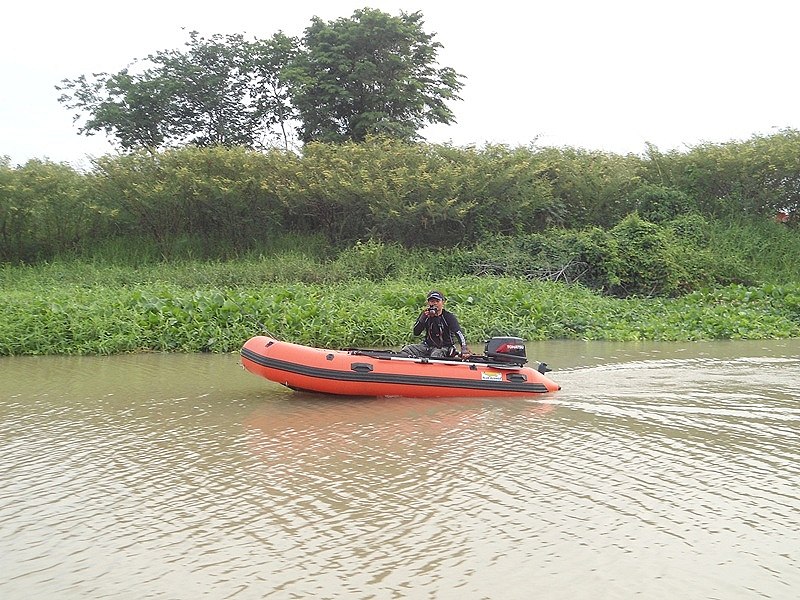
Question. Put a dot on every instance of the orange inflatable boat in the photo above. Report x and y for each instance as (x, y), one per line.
(357, 372)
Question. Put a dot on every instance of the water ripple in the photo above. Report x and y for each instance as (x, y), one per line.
(660, 477)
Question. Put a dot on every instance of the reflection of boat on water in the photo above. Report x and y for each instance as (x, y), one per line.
(335, 430)
(358, 372)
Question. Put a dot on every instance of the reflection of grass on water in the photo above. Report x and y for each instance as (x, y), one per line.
(83, 308)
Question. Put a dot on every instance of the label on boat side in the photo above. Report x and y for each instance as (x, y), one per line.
(491, 376)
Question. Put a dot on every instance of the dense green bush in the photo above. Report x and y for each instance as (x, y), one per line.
(217, 194)
(658, 204)
(47, 209)
(647, 267)
(634, 258)
(591, 188)
(751, 178)
(661, 224)
(413, 194)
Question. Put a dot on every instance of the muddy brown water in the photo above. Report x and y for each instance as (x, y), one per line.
(658, 471)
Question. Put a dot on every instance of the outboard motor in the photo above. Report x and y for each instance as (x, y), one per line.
(506, 350)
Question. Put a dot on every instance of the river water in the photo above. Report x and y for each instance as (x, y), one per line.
(658, 471)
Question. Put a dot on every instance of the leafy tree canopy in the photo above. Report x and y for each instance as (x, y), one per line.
(345, 80)
(371, 74)
(221, 91)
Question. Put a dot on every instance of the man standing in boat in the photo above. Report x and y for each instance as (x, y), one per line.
(440, 326)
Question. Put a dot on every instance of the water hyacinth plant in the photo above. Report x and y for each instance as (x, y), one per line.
(47, 312)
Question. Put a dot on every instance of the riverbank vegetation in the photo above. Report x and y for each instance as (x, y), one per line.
(197, 249)
(366, 296)
(414, 195)
(203, 233)
(78, 308)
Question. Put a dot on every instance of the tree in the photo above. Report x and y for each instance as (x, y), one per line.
(269, 60)
(220, 91)
(371, 74)
(125, 107)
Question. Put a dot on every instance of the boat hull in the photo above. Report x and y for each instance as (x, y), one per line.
(359, 373)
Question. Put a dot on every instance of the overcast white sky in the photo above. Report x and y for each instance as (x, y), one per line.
(602, 75)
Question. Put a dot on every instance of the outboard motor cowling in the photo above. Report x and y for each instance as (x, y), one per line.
(506, 350)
